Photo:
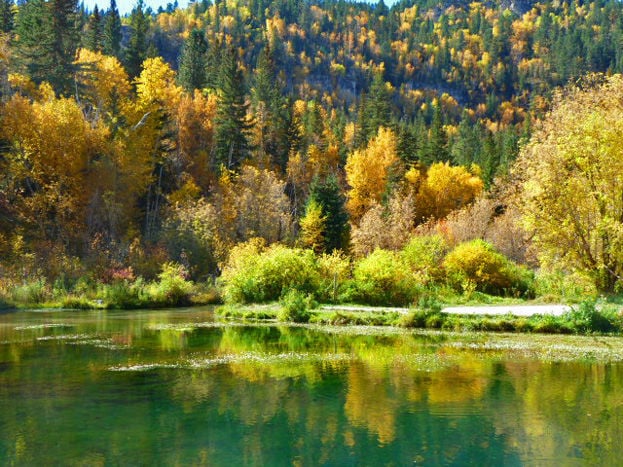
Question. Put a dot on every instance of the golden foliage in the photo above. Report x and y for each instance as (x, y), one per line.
(367, 173)
(572, 184)
(446, 188)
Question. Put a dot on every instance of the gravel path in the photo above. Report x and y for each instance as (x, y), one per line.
(517, 310)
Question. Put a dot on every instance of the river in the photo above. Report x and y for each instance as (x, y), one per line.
(177, 387)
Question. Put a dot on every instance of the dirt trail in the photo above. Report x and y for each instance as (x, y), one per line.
(517, 310)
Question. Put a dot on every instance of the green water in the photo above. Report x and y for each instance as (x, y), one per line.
(178, 388)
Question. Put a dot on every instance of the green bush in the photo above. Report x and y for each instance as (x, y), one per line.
(585, 318)
(35, 291)
(124, 294)
(559, 286)
(383, 278)
(549, 324)
(295, 307)
(79, 303)
(425, 254)
(421, 319)
(255, 274)
(476, 266)
(172, 288)
(334, 271)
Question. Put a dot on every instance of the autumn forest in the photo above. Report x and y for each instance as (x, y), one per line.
(251, 150)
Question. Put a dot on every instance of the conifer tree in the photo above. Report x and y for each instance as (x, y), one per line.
(327, 195)
(92, 37)
(136, 53)
(7, 16)
(213, 64)
(47, 39)
(193, 61)
(112, 31)
(232, 127)
(375, 110)
(437, 147)
(271, 111)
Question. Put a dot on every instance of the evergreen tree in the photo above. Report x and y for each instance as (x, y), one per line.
(47, 39)
(437, 147)
(329, 197)
(467, 145)
(375, 110)
(112, 31)
(271, 111)
(193, 60)
(7, 16)
(408, 146)
(232, 127)
(136, 53)
(92, 37)
(213, 65)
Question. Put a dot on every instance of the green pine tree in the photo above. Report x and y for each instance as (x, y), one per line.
(271, 111)
(375, 110)
(47, 38)
(112, 31)
(193, 60)
(7, 16)
(232, 127)
(136, 53)
(93, 34)
(328, 195)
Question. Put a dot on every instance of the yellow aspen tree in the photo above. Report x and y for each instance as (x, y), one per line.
(571, 182)
(367, 172)
(446, 188)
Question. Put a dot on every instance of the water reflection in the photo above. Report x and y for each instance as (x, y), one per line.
(199, 392)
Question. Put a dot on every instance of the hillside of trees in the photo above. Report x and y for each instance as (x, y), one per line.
(173, 136)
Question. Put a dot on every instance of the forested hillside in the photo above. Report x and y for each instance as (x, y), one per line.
(128, 142)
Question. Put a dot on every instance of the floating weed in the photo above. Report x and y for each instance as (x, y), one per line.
(195, 363)
(85, 339)
(424, 362)
(539, 349)
(44, 326)
(101, 343)
(64, 337)
(143, 367)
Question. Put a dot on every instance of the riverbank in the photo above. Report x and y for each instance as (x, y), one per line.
(584, 318)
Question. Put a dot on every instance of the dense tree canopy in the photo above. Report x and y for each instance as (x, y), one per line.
(572, 183)
(336, 125)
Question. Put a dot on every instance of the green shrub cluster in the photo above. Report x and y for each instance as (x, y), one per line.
(384, 278)
(295, 306)
(476, 266)
(256, 274)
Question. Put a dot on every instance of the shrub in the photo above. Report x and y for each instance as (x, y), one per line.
(586, 318)
(475, 265)
(172, 288)
(335, 271)
(257, 274)
(421, 319)
(124, 294)
(425, 255)
(568, 287)
(35, 291)
(79, 303)
(295, 307)
(384, 279)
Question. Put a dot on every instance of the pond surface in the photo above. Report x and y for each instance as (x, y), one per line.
(179, 388)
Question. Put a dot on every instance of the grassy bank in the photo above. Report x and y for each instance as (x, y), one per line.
(170, 289)
(586, 318)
